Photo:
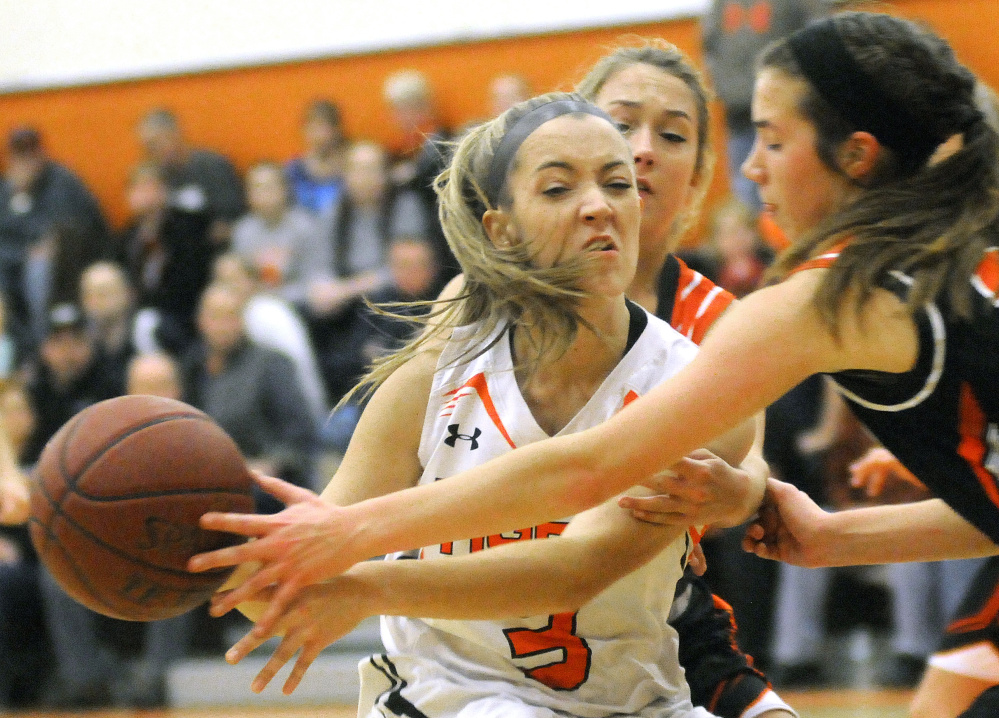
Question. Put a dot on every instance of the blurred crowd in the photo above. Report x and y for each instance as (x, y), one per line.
(245, 294)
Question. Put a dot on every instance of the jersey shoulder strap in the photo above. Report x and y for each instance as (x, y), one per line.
(688, 300)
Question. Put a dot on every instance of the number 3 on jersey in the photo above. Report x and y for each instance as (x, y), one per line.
(566, 674)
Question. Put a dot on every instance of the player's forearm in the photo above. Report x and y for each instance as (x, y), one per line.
(922, 531)
(526, 487)
(525, 578)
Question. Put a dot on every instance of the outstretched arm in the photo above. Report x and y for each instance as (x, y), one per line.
(737, 373)
(793, 529)
(597, 548)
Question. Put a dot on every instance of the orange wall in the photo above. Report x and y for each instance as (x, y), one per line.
(254, 113)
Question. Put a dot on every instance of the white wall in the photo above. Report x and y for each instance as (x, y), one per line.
(46, 43)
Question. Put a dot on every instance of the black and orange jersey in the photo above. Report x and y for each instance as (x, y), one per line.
(721, 677)
(688, 300)
(941, 418)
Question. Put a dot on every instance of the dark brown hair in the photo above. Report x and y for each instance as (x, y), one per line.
(932, 221)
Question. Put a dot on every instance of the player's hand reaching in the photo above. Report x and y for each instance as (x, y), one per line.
(787, 527)
(699, 490)
(317, 617)
(877, 470)
(295, 548)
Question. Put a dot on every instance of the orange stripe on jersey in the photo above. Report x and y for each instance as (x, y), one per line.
(986, 277)
(629, 397)
(722, 605)
(478, 384)
(972, 448)
(823, 261)
(980, 620)
(697, 304)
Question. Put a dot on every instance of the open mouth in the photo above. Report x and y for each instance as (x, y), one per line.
(643, 186)
(600, 244)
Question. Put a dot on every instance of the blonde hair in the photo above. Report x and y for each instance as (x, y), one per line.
(667, 57)
(502, 287)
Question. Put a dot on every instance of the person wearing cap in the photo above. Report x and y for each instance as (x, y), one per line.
(65, 377)
(42, 202)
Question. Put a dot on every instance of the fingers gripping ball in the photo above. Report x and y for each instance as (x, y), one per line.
(115, 502)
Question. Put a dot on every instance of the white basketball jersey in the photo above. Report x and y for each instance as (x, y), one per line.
(615, 655)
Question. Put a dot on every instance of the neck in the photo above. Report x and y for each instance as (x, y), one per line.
(113, 333)
(560, 386)
(644, 288)
(324, 161)
(273, 217)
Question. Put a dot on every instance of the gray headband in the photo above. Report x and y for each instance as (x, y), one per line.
(521, 130)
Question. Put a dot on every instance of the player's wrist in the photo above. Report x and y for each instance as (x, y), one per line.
(372, 591)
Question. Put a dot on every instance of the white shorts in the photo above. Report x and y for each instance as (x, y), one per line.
(385, 694)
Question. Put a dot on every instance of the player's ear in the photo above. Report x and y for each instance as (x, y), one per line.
(499, 228)
(859, 155)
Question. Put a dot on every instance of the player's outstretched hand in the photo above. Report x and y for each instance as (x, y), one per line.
(296, 547)
(877, 470)
(698, 490)
(787, 527)
(317, 617)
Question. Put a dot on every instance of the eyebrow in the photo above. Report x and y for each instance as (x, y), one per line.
(635, 103)
(761, 124)
(560, 164)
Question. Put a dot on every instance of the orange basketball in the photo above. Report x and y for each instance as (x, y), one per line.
(115, 502)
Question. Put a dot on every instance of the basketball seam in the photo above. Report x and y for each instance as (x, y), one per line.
(110, 547)
(88, 585)
(110, 443)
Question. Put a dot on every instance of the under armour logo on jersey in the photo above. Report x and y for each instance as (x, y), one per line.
(452, 430)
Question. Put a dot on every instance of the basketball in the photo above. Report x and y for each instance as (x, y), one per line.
(115, 501)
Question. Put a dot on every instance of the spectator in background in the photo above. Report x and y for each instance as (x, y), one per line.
(167, 255)
(200, 180)
(252, 392)
(733, 33)
(316, 177)
(25, 652)
(272, 322)
(108, 304)
(14, 347)
(422, 155)
(274, 233)
(45, 209)
(414, 268)
(349, 259)
(740, 255)
(507, 90)
(65, 378)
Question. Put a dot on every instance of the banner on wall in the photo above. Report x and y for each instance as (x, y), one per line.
(58, 43)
